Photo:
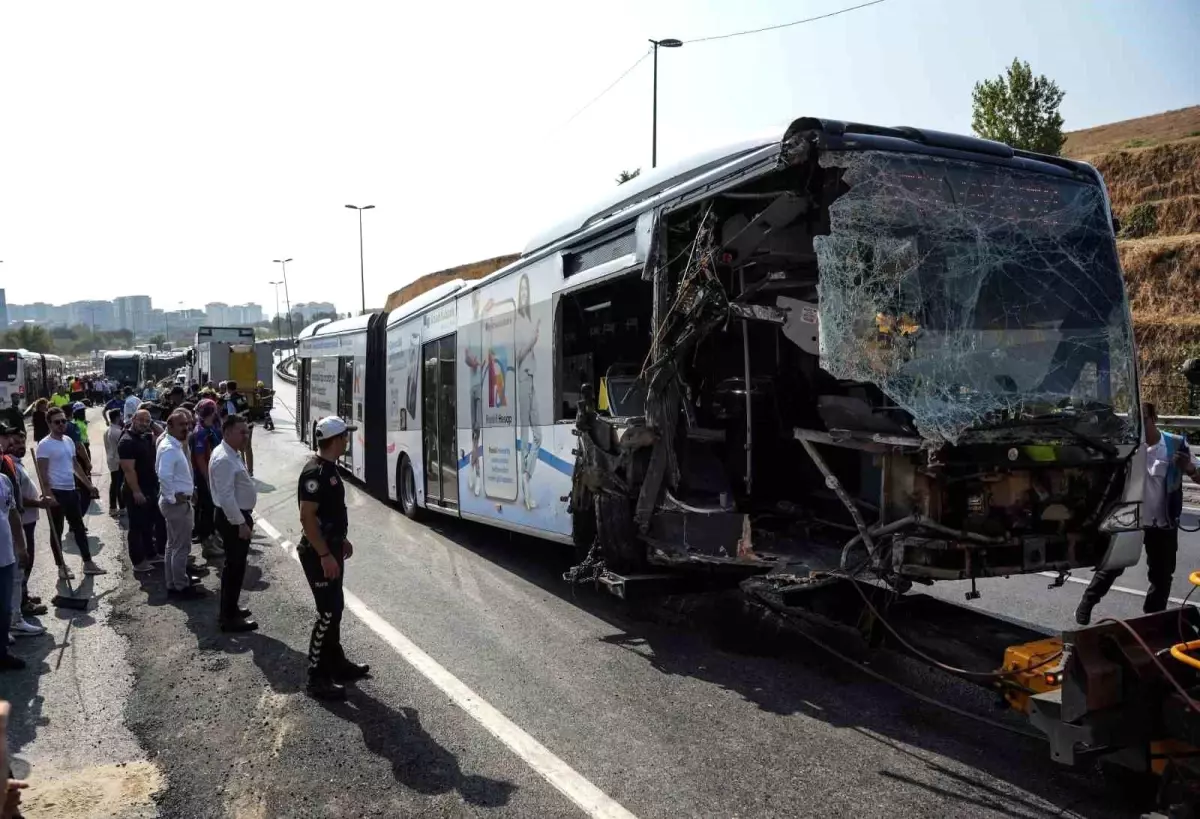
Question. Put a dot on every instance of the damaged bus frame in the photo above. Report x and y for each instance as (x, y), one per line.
(880, 351)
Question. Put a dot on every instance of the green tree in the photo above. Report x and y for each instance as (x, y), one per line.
(1020, 110)
(31, 337)
(625, 176)
(158, 339)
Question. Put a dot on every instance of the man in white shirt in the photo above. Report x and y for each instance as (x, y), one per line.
(12, 549)
(175, 488)
(234, 496)
(132, 402)
(58, 469)
(1167, 461)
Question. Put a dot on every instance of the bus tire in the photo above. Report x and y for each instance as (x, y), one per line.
(406, 489)
(623, 552)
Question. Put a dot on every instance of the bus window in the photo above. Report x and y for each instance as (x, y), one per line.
(601, 330)
(8, 366)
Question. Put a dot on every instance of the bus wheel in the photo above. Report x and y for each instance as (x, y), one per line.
(623, 552)
(406, 488)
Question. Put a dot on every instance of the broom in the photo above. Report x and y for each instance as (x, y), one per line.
(69, 600)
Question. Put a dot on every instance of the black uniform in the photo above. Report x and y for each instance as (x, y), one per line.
(321, 483)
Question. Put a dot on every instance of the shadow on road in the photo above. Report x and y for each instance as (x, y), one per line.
(396, 736)
(716, 638)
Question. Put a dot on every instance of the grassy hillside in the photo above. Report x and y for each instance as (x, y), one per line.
(1152, 168)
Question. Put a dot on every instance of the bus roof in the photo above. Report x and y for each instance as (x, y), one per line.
(346, 325)
(427, 299)
(123, 354)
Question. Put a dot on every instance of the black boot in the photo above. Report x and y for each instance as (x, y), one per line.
(348, 671)
(1083, 614)
(323, 688)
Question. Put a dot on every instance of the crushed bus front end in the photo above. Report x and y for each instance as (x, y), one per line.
(893, 351)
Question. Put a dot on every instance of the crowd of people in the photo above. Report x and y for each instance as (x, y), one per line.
(181, 467)
(160, 449)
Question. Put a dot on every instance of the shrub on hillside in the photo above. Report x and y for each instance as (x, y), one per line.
(1141, 220)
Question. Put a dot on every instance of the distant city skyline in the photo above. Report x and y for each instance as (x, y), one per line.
(136, 313)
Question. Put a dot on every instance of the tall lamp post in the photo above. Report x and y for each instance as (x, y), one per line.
(669, 42)
(361, 268)
(287, 298)
(278, 318)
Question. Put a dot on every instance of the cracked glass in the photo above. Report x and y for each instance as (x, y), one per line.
(975, 296)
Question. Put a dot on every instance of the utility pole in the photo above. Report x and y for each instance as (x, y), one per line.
(361, 268)
(669, 42)
(278, 317)
(287, 299)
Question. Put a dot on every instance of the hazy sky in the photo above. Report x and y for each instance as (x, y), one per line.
(175, 149)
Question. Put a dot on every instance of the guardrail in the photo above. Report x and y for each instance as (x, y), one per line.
(285, 369)
(1179, 421)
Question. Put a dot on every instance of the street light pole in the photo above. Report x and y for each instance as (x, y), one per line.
(361, 267)
(278, 318)
(287, 299)
(669, 42)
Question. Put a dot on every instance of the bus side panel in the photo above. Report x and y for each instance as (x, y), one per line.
(374, 409)
(518, 473)
(404, 405)
(322, 391)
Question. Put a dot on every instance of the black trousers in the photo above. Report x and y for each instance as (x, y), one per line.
(205, 524)
(68, 511)
(147, 533)
(29, 529)
(116, 499)
(325, 653)
(237, 551)
(1161, 545)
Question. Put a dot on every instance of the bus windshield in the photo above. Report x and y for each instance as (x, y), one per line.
(8, 366)
(124, 370)
(975, 295)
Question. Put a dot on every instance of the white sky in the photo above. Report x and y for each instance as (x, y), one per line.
(175, 149)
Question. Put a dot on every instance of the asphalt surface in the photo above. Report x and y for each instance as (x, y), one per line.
(681, 707)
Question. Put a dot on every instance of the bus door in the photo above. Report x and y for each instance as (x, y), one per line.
(440, 421)
(345, 404)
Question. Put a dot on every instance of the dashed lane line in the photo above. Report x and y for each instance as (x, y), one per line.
(565, 779)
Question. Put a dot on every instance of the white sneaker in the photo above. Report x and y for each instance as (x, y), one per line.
(11, 639)
(144, 566)
(65, 574)
(92, 568)
(24, 628)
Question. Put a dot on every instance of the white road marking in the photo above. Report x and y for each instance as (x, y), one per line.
(1081, 581)
(565, 779)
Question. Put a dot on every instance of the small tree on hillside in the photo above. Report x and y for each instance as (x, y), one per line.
(1020, 110)
(625, 176)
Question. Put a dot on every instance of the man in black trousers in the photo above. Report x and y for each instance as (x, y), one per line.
(234, 496)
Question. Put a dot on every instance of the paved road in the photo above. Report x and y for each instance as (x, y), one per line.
(498, 690)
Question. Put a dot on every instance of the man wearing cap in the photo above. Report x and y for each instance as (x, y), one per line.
(323, 550)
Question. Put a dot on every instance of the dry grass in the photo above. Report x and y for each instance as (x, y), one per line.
(1144, 131)
(1162, 276)
(1150, 174)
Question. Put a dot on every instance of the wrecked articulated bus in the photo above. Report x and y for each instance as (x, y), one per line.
(886, 351)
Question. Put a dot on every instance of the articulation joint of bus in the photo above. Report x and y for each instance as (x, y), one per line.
(892, 353)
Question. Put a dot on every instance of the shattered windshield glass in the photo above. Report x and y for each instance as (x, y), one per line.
(974, 295)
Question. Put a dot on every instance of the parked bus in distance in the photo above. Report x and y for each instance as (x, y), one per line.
(126, 367)
(834, 347)
(29, 375)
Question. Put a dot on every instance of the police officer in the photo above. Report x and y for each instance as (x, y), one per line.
(324, 548)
